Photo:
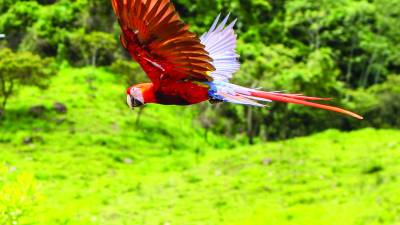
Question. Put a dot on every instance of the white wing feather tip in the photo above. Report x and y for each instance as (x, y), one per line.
(220, 43)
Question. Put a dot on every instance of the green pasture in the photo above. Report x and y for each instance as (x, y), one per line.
(100, 164)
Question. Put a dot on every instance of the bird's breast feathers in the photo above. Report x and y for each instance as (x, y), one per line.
(182, 93)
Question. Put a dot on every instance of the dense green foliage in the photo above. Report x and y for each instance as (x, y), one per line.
(336, 48)
(98, 163)
(18, 69)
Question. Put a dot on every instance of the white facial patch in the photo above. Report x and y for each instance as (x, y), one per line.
(137, 94)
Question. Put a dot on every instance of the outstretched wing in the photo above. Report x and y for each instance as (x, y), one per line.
(220, 42)
(155, 27)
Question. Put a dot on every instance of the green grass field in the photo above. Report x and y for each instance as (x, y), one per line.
(97, 165)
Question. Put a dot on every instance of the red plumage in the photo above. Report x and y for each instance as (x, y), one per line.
(171, 55)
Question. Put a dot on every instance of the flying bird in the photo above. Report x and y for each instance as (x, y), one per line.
(185, 69)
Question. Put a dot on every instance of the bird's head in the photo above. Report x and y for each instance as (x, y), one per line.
(139, 94)
(134, 97)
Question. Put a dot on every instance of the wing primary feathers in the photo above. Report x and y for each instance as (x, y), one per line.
(220, 42)
(222, 24)
(154, 27)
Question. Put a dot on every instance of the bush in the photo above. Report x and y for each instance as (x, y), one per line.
(21, 69)
(17, 195)
(129, 71)
(379, 104)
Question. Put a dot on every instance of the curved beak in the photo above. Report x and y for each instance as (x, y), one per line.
(133, 102)
(129, 101)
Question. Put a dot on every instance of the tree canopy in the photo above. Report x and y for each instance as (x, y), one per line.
(19, 69)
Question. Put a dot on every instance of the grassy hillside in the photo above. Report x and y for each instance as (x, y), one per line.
(96, 165)
(97, 114)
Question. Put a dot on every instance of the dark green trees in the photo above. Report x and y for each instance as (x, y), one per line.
(19, 69)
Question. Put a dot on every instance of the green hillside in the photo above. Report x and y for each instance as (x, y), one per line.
(99, 164)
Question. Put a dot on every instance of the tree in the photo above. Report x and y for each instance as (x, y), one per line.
(128, 71)
(96, 48)
(21, 69)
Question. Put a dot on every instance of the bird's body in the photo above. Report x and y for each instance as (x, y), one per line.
(183, 68)
(175, 93)
(169, 90)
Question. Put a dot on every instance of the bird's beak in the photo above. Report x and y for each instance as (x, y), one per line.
(133, 102)
(129, 101)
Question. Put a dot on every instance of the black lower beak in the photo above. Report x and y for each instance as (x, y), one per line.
(133, 103)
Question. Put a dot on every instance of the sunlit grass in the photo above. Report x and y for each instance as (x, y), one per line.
(96, 165)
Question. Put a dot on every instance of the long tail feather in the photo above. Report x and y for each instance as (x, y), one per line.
(220, 43)
(247, 96)
(301, 100)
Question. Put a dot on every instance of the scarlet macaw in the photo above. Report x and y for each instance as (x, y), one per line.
(183, 68)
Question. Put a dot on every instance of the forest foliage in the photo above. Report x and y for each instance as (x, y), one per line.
(345, 49)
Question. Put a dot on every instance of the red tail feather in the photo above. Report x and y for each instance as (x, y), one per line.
(301, 100)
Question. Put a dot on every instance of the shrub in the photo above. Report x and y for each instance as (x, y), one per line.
(17, 195)
(19, 69)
